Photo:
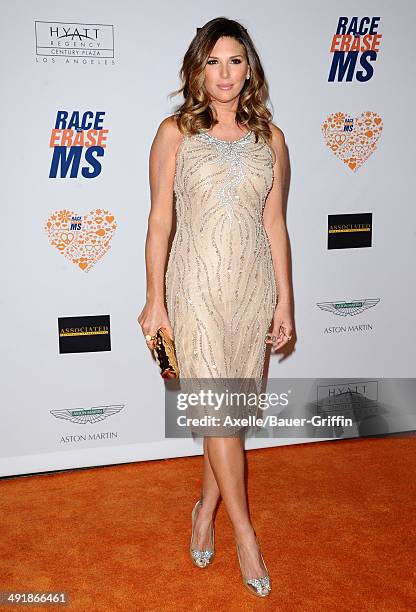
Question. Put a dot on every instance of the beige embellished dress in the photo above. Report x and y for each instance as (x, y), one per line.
(221, 291)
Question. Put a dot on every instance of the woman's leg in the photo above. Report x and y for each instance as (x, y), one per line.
(227, 461)
(210, 495)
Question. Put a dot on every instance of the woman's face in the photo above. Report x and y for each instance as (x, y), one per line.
(226, 69)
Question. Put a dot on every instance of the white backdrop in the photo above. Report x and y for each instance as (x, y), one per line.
(126, 69)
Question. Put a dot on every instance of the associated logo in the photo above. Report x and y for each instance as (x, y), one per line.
(352, 140)
(351, 308)
(87, 415)
(77, 137)
(84, 334)
(83, 239)
(355, 45)
(80, 42)
(350, 231)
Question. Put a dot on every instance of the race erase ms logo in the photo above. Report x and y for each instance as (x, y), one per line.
(352, 139)
(78, 141)
(355, 45)
(83, 239)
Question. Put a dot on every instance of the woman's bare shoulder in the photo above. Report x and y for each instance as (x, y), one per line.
(278, 135)
(168, 133)
(278, 142)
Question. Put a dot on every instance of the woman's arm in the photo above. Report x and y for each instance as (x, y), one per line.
(161, 175)
(275, 226)
(162, 162)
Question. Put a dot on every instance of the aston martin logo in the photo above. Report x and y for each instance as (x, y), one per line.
(88, 415)
(351, 308)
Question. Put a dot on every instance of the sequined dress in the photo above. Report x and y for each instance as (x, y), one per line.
(220, 283)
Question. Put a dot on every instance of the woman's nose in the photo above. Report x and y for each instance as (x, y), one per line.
(224, 71)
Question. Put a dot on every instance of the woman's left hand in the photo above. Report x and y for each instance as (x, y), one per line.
(282, 327)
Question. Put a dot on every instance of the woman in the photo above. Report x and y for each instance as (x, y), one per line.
(225, 162)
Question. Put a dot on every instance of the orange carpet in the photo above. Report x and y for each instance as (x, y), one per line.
(336, 521)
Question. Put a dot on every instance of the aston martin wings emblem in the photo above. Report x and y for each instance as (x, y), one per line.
(351, 308)
(87, 415)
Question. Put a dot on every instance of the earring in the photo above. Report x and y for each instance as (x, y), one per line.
(248, 76)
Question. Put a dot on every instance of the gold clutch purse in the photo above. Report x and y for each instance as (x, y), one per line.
(164, 352)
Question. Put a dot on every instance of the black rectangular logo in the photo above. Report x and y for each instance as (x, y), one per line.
(350, 231)
(84, 334)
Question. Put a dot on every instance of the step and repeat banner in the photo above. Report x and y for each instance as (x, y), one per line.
(84, 90)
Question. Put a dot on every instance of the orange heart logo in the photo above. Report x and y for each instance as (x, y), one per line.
(81, 239)
(352, 140)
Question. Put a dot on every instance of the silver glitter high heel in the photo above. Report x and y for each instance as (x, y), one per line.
(261, 587)
(201, 558)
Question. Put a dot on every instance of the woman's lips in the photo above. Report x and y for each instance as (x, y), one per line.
(224, 87)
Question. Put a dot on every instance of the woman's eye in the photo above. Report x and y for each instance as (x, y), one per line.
(238, 61)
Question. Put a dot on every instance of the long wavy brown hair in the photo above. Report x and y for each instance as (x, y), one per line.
(195, 113)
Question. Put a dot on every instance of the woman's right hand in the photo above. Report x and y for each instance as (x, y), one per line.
(152, 317)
